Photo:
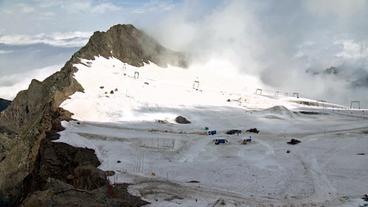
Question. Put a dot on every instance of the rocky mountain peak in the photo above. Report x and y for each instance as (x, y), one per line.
(124, 42)
(26, 124)
(130, 45)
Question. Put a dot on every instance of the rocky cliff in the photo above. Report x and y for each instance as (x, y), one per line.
(33, 170)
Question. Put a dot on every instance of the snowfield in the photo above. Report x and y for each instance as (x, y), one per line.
(127, 115)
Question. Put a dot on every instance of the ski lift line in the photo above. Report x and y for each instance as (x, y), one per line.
(296, 94)
(355, 103)
(201, 88)
(269, 91)
(346, 113)
(264, 91)
(278, 93)
(184, 86)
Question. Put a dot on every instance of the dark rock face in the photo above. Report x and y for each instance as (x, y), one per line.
(182, 120)
(28, 160)
(68, 176)
(4, 104)
(357, 77)
(28, 119)
(59, 194)
(328, 71)
(64, 162)
(40, 99)
(331, 71)
(58, 161)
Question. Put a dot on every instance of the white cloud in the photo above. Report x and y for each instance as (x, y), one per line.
(70, 39)
(230, 32)
(12, 84)
(25, 8)
(5, 52)
(274, 41)
(154, 6)
(352, 49)
(49, 7)
(341, 8)
(90, 6)
(22, 8)
(104, 8)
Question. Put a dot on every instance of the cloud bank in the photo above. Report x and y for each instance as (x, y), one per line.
(69, 39)
(11, 84)
(278, 42)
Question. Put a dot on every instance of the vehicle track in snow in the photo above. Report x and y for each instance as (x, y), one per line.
(148, 187)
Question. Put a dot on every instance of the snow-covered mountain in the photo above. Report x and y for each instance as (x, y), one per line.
(125, 92)
(128, 115)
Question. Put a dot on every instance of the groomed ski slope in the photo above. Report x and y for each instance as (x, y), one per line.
(127, 115)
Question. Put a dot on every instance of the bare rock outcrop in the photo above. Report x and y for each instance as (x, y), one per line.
(59, 194)
(132, 46)
(182, 120)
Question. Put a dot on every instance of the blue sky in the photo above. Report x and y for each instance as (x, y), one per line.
(45, 16)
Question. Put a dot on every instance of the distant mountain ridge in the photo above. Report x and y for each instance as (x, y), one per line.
(358, 78)
(4, 104)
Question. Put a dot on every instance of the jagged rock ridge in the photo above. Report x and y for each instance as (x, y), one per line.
(34, 115)
(131, 46)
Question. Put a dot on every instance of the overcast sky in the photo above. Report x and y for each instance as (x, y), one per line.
(276, 40)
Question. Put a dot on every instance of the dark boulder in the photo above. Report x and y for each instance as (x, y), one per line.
(193, 181)
(182, 120)
(293, 142)
(89, 177)
(59, 160)
(253, 130)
